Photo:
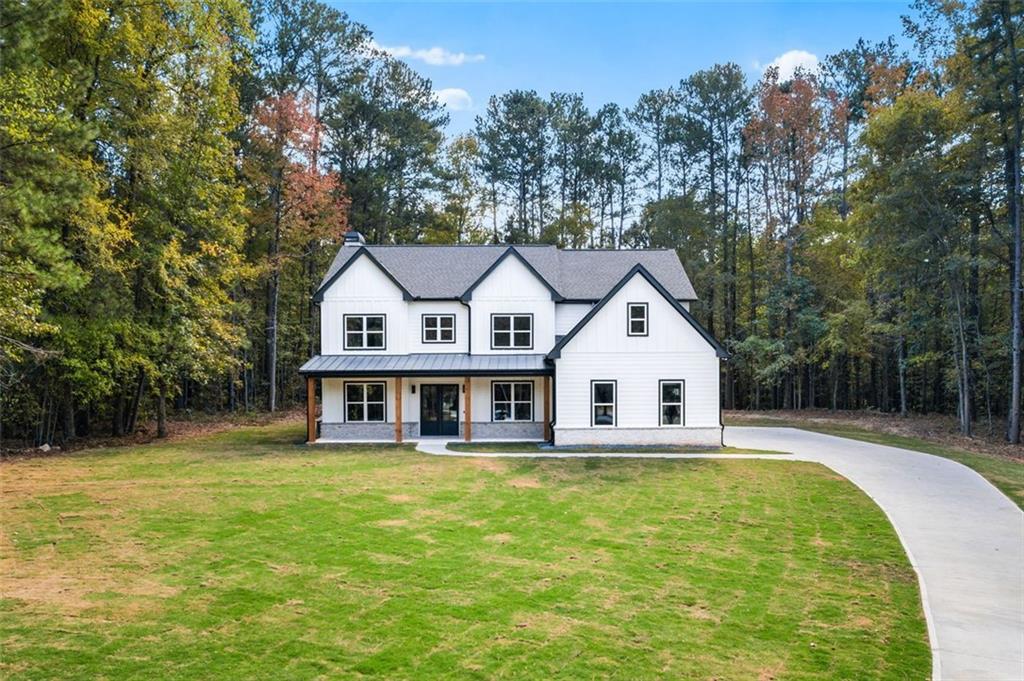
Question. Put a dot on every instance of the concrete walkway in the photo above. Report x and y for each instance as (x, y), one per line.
(964, 538)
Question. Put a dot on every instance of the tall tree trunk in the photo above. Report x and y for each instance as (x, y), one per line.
(133, 410)
(161, 412)
(68, 410)
(1014, 206)
(902, 370)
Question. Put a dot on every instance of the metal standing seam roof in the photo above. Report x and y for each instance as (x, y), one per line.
(430, 364)
(446, 272)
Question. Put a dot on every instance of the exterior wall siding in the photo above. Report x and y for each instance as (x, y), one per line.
(567, 315)
(363, 289)
(672, 350)
(512, 289)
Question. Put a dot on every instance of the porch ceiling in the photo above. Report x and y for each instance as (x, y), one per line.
(427, 364)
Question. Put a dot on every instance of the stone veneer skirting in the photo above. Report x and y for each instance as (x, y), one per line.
(704, 437)
(505, 430)
(365, 432)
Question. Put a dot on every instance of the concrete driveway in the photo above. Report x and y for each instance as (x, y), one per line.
(964, 537)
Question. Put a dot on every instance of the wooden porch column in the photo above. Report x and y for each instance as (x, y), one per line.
(310, 410)
(547, 407)
(398, 409)
(468, 399)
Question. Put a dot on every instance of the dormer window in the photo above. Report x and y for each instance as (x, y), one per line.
(438, 328)
(364, 332)
(636, 319)
(511, 331)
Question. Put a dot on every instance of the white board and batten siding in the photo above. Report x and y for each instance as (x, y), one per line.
(567, 315)
(511, 288)
(603, 351)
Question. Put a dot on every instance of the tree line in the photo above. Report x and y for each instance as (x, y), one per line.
(176, 176)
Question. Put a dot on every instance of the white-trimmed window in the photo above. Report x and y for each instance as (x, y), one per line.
(602, 401)
(365, 402)
(636, 319)
(671, 397)
(364, 332)
(512, 401)
(438, 328)
(511, 331)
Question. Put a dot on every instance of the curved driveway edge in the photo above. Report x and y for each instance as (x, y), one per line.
(964, 538)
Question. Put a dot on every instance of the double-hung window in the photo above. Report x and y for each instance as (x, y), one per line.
(511, 331)
(364, 332)
(671, 396)
(636, 319)
(602, 400)
(438, 328)
(364, 402)
(512, 401)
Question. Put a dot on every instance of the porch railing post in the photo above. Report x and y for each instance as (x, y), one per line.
(468, 399)
(398, 409)
(547, 408)
(310, 409)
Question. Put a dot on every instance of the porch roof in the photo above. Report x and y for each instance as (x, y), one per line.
(427, 364)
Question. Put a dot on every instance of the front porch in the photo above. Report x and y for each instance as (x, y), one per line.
(412, 397)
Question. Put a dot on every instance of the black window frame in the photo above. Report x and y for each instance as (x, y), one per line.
(512, 402)
(364, 332)
(629, 319)
(512, 330)
(662, 403)
(364, 402)
(437, 316)
(615, 403)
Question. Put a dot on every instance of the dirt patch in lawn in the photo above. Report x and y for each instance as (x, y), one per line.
(525, 483)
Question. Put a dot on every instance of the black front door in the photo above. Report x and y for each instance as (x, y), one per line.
(439, 410)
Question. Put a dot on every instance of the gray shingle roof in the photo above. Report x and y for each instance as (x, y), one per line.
(447, 271)
(425, 364)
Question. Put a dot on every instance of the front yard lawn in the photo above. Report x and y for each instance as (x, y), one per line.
(247, 555)
(545, 448)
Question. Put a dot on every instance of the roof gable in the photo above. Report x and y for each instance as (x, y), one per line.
(510, 251)
(318, 297)
(638, 269)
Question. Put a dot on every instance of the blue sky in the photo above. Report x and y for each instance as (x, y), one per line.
(611, 52)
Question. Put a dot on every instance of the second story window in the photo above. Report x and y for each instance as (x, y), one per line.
(438, 328)
(364, 332)
(511, 331)
(636, 319)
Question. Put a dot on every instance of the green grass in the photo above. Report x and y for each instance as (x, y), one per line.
(247, 555)
(1005, 473)
(542, 448)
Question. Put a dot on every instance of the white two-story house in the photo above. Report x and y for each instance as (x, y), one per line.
(512, 342)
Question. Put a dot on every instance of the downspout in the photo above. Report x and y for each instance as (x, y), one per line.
(554, 401)
(721, 420)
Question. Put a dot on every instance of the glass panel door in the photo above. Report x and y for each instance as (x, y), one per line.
(439, 410)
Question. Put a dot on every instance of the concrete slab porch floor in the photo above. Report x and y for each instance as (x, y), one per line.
(963, 536)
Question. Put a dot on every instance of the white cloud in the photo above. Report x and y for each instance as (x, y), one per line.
(788, 62)
(455, 98)
(435, 56)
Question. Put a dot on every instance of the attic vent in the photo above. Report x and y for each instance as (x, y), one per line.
(354, 238)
